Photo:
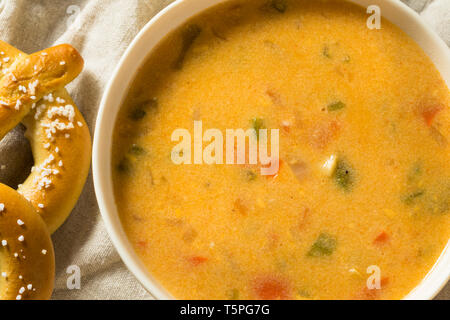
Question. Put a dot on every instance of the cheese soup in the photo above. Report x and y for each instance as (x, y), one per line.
(362, 194)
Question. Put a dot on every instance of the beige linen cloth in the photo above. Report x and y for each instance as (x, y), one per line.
(101, 30)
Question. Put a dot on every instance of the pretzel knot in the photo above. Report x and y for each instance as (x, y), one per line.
(32, 92)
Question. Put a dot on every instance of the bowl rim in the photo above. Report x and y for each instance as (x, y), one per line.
(166, 21)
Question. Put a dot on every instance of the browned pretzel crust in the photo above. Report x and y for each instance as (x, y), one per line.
(27, 262)
(31, 77)
(32, 92)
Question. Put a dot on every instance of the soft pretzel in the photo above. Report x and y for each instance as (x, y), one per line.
(27, 262)
(26, 79)
(57, 131)
(60, 142)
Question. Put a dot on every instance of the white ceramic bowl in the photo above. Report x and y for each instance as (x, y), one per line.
(167, 20)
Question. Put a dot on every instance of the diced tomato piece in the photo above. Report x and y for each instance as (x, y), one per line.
(142, 244)
(196, 260)
(382, 238)
(271, 288)
(429, 113)
(367, 294)
(372, 294)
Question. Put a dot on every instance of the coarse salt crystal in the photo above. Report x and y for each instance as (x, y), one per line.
(18, 104)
